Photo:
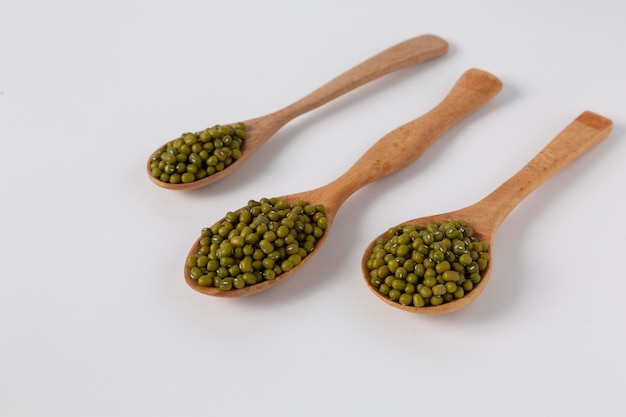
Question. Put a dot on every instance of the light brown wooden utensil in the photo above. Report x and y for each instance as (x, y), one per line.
(259, 130)
(394, 151)
(485, 217)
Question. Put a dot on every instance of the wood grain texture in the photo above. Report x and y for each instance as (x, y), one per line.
(485, 216)
(258, 130)
(391, 153)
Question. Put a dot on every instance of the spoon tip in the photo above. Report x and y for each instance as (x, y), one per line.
(481, 81)
(595, 120)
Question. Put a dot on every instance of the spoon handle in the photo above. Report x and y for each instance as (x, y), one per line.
(582, 134)
(402, 55)
(405, 144)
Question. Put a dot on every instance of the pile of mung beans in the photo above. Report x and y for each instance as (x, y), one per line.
(427, 266)
(256, 243)
(194, 156)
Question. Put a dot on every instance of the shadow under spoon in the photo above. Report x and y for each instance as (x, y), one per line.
(394, 151)
(258, 130)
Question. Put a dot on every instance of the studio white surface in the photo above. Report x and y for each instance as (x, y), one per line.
(95, 317)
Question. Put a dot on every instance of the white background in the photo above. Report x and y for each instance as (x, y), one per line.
(95, 317)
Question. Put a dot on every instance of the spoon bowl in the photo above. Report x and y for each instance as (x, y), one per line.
(486, 216)
(258, 130)
(394, 151)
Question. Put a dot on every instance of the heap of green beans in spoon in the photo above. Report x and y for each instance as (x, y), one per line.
(394, 151)
(486, 216)
(165, 165)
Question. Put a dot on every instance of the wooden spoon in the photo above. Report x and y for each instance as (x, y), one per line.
(260, 129)
(394, 151)
(485, 217)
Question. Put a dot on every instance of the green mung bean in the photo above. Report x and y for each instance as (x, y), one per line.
(428, 265)
(258, 242)
(194, 156)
